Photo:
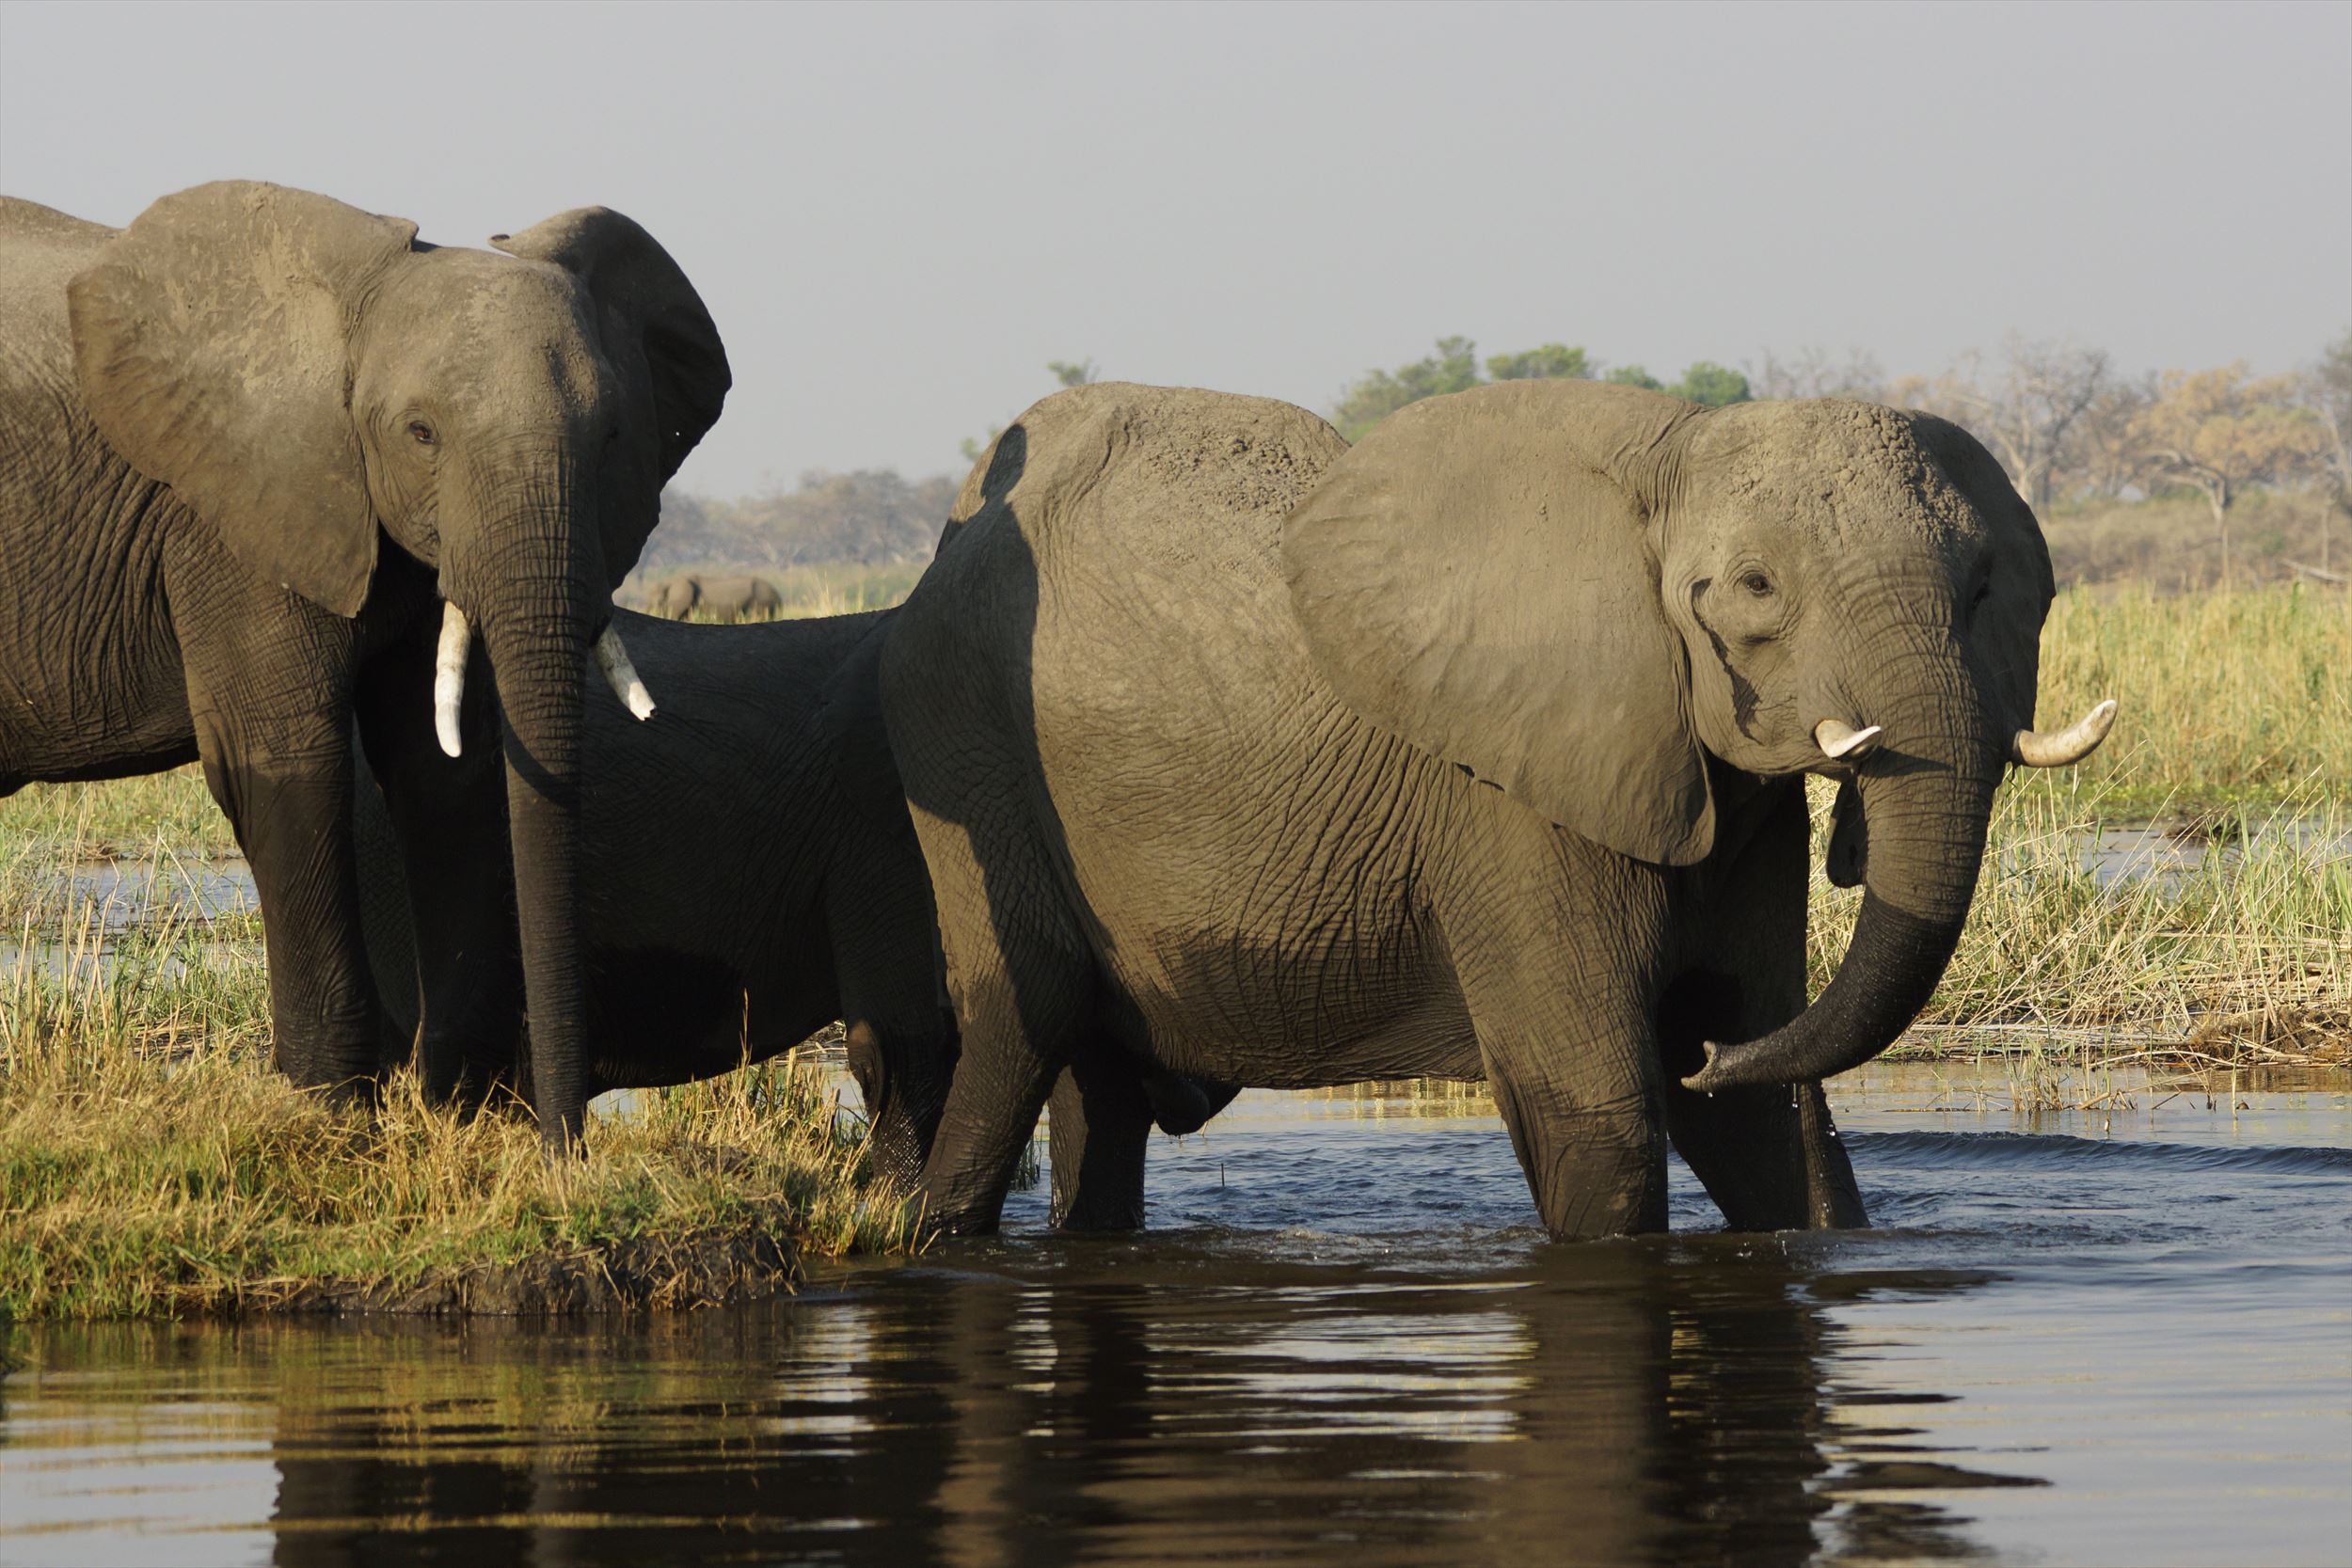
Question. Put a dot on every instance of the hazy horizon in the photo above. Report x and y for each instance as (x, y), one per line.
(898, 214)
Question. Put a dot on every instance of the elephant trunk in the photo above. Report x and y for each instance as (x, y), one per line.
(540, 602)
(1927, 798)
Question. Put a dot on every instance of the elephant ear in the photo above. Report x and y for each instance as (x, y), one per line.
(2005, 633)
(210, 341)
(662, 316)
(1471, 579)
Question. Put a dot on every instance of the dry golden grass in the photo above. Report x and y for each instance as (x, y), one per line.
(2226, 698)
(2241, 956)
(153, 1165)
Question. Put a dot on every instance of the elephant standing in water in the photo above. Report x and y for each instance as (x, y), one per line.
(748, 875)
(1479, 747)
(272, 464)
(721, 598)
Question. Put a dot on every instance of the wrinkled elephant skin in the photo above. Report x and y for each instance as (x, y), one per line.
(262, 448)
(1480, 748)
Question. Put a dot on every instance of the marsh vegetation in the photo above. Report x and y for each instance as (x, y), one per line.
(2183, 899)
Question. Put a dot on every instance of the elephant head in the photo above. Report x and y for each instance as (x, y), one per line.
(304, 375)
(1580, 594)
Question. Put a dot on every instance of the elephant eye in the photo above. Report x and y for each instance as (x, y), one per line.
(422, 432)
(1757, 584)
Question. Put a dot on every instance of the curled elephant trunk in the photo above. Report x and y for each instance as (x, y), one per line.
(1926, 819)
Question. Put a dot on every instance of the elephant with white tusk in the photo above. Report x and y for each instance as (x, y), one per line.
(279, 472)
(1477, 748)
(745, 880)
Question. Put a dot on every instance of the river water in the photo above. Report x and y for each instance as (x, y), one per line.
(2120, 1336)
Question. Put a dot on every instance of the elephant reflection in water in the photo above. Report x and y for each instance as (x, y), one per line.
(1615, 1407)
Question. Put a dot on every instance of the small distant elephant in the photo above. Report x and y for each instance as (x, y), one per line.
(1238, 753)
(746, 879)
(728, 598)
(271, 472)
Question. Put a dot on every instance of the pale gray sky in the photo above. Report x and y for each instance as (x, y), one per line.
(900, 213)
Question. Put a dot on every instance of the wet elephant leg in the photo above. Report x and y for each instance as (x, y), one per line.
(1023, 983)
(1553, 944)
(1101, 1121)
(1586, 1135)
(900, 1027)
(1769, 1156)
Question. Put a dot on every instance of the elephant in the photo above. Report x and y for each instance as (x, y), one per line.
(746, 879)
(1479, 747)
(277, 470)
(720, 598)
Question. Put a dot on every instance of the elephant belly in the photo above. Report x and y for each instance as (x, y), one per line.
(1250, 880)
(1266, 1019)
(90, 681)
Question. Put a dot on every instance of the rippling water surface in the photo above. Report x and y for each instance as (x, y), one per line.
(2104, 1336)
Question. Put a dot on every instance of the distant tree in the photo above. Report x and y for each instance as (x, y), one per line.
(2024, 408)
(1812, 373)
(1551, 362)
(2218, 431)
(1379, 394)
(1633, 376)
(1710, 384)
(2102, 456)
(2326, 389)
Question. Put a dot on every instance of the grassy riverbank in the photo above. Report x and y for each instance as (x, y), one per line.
(2231, 949)
(151, 1165)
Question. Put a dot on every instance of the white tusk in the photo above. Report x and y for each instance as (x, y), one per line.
(619, 674)
(449, 678)
(1837, 739)
(2070, 745)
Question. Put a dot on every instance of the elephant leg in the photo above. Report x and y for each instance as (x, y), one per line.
(1101, 1120)
(268, 690)
(449, 825)
(1553, 944)
(1769, 1156)
(902, 1029)
(1016, 1037)
(1584, 1126)
(1022, 985)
